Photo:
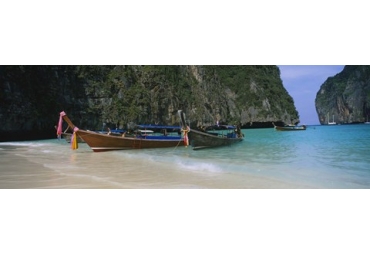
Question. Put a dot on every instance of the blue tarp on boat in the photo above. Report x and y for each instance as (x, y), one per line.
(150, 126)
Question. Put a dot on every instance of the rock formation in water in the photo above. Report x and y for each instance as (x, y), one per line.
(345, 98)
(96, 97)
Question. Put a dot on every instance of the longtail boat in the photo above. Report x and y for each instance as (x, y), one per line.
(290, 128)
(99, 142)
(207, 139)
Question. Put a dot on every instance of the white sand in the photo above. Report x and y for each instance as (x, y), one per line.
(73, 170)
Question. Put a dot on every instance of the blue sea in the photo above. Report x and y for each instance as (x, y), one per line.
(322, 157)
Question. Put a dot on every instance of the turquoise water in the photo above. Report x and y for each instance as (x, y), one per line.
(320, 157)
(323, 156)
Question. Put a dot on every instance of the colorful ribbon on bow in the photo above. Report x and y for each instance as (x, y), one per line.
(59, 129)
(74, 143)
(186, 139)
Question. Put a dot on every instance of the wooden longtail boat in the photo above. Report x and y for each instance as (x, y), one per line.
(290, 128)
(99, 142)
(201, 140)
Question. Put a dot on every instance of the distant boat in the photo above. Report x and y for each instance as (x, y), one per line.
(99, 142)
(207, 139)
(290, 128)
(367, 120)
(331, 123)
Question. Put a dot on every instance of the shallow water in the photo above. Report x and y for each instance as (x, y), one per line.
(320, 157)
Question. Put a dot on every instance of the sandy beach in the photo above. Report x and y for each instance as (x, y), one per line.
(25, 168)
(106, 202)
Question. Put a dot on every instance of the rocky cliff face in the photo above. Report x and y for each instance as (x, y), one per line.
(346, 96)
(96, 96)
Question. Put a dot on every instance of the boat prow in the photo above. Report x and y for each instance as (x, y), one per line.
(99, 142)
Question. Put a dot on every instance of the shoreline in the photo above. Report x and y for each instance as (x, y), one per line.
(104, 171)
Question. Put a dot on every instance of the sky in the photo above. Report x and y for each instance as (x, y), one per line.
(302, 83)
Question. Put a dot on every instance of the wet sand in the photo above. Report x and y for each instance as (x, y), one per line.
(17, 172)
(89, 170)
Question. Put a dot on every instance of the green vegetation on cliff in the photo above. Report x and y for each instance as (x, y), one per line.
(32, 96)
(346, 96)
(253, 84)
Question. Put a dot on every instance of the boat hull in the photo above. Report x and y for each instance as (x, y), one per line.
(200, 140)
(290, 128)
(103, 142)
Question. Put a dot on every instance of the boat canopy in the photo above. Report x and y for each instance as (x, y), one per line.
(221, 127)
(146, 131)
(151, 126)
(118, 131)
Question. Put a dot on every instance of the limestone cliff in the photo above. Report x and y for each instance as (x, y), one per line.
(99, 96)
(345, 97)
